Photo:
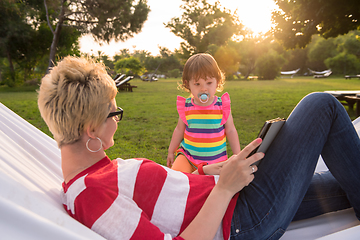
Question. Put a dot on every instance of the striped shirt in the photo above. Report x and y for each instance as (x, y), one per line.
(204, 137)
(139, 199)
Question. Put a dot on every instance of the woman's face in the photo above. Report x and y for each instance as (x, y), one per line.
(107, 130)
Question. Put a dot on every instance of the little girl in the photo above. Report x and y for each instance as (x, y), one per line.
(205, 120)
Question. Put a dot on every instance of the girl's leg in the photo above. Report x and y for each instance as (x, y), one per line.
(182, 164)
(318, 125)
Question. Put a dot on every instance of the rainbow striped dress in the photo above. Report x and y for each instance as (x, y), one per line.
(204, 137)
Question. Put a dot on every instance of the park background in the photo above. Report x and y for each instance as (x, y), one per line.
(311, 36)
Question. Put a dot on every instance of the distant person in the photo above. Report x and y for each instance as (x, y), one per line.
(139, 199)
(205, 120)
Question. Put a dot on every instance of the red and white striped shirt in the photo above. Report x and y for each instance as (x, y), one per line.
(139, 199)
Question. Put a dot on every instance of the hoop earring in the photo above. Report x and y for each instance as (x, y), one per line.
(87, 145)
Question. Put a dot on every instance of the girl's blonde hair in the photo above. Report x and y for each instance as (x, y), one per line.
(74, 95)
(201, 65)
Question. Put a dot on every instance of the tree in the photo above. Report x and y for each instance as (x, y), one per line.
(203, 24)
(298, 20)
(269, 65)
(249, 51)
(129, 66)
(13, 30)
(227, 60)
(169, 61)
(104, 19)
(319, 50)
(349, 43)
(344, 63)
(296, 58)
(25, 39)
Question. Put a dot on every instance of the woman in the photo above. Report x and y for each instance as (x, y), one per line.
(139, 199)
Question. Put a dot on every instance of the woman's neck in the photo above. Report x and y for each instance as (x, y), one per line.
(75, 158)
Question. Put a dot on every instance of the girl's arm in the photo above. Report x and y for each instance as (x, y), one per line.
(234, 176)
(176, 139)
(232, 135)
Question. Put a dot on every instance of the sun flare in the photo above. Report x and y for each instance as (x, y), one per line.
(254, 14)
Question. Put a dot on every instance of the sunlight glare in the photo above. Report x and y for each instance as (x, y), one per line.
(254, 14)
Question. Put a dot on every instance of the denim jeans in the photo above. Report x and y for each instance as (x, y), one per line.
(285, 187)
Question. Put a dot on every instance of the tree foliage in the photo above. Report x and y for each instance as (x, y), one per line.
(14, 33)
(344, 63)
(319, 50)
(129, 66)
(228, 61)
(298, 20)
(104, 19)
(25, 39)
(269, 65)
(203, 24)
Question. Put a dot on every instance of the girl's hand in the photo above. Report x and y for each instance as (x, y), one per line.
(213, 169)
(170, 160)
(237, 171)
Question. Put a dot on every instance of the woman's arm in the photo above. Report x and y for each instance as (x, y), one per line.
(176, 139)
(232, 135)
(235, 174)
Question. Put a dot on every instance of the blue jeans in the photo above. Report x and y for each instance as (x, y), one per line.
(285, 187)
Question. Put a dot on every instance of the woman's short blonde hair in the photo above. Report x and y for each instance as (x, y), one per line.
(202, 65)
(74, 95)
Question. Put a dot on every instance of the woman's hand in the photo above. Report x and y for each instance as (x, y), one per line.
(235, 174)
(237, 171)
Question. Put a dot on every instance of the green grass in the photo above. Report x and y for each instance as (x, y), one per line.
(150, 114)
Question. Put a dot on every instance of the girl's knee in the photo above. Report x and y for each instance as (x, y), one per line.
(182, 164)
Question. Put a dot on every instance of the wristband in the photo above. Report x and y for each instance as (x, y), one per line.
(200, 168)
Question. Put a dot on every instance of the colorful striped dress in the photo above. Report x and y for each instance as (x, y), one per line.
(204, 137)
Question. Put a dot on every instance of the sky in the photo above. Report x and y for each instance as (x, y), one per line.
(254, 14)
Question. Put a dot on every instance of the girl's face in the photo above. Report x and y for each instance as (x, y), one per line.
(203, 86)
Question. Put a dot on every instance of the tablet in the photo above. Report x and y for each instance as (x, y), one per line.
(268, 133)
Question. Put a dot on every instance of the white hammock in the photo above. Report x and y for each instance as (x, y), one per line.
(319, 73)
(290, 72)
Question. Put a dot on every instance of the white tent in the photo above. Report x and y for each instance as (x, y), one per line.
(31, 178)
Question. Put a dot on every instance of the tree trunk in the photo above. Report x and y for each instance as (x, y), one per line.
(56, 37)
(12, 70)
(53, 47)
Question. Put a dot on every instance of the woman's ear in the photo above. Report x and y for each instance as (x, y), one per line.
(90, 131)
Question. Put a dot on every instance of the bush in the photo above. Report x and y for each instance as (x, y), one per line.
(269, 65)
(343, 63)
(175, 73)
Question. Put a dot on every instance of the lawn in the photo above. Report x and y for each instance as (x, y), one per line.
(150, 112)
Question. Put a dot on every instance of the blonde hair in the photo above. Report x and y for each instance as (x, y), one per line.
(202, 65)
(74, 95)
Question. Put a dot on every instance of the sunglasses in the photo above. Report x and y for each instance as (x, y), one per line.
(118, 114)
